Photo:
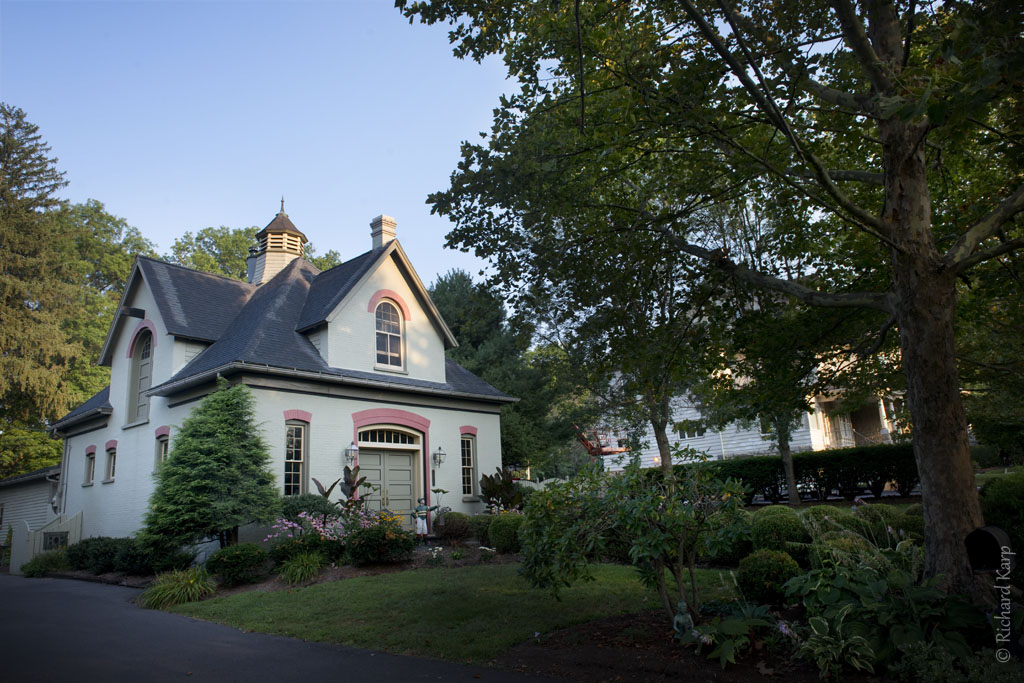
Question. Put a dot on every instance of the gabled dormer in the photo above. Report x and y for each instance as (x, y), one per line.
(373, 314)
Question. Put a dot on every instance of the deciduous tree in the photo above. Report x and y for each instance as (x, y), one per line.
(884, 136)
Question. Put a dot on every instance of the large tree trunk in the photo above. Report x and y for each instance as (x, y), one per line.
(925, 302)
(659, 413)
(782, 437)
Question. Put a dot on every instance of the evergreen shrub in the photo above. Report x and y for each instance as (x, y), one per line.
(504, 532)
(310, 503)
(763, 573)
(838, 547)
(237, 565)
(479, 524)
(1002, 504)
(456, 528)
(99, 554)
(385, 542)
(133, 558)
(775, 526)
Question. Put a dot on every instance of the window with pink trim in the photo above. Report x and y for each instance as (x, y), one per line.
(389, 335)
(141, 378)
(468, 453)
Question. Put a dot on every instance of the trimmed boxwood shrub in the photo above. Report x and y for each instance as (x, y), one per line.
(838, 547)
(1002, 504)
(775, 526)
(382, 543)
(504, 532)
(238, 564)
(133, 558)
(310, 503)
(99, 554)
(763, 573)
(821, 519)
(912, 526)
(479, 525)
(455, 528)
(873, 523)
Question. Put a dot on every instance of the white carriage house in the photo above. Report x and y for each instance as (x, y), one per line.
(346, 365)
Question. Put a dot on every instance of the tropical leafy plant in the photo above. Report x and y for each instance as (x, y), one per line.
(501, 490)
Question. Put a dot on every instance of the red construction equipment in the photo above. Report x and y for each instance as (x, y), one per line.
(599, 441)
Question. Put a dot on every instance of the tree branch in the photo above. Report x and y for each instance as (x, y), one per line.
(857, 40)
(959, 255)
(812, 297)
(870, 177)
(779, 121)
(986, 254)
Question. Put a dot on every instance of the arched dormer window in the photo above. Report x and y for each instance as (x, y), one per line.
(142, 376)
(389, 336)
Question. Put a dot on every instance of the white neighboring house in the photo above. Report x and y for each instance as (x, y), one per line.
(346, 365)
(820, 429)
(26, 505)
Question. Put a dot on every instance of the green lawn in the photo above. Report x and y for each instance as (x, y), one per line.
(466, 614)
(981, 478)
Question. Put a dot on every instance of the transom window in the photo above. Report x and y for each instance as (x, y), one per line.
(389, 335)
(468, 465)
(294, 458)
(391, 436)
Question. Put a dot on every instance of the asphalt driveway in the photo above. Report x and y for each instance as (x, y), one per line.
(63, 630)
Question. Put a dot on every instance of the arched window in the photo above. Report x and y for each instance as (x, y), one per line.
(142, 375)
(389, 335)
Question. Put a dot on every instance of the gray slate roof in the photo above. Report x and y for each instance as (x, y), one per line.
(97, 405)
(194, 304)
(30, 476)
(253, 328)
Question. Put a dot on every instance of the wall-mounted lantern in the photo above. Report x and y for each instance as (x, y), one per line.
(351, 453)
(439, 456)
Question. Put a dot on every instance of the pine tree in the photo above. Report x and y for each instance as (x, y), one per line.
(216, 477)
(37, 277)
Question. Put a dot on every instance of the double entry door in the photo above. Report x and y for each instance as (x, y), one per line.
(393, 472)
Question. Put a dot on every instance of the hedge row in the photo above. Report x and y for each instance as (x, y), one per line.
(848, 471)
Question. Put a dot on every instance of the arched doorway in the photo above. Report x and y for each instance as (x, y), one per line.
(388, 457)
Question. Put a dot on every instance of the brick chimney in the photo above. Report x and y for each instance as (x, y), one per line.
(382, 230)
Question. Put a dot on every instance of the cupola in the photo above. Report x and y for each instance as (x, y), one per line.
(279, 244)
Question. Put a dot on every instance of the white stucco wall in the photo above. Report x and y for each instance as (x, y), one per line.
(351, 330)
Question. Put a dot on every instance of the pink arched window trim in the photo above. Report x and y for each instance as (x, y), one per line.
(393, 296)
(143, 325)
(373, 416)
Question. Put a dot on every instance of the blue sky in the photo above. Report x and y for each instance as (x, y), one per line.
(181, 115)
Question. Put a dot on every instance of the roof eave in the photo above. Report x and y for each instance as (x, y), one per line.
(58, 427)
(169, 388)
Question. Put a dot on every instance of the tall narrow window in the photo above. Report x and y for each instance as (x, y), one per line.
(142, 375)
(90, 468)
(468, 465)
(163, 444)
(295, 449)
(389, 335)
(111, 465)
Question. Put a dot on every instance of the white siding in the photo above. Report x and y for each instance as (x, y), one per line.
(28, 502)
